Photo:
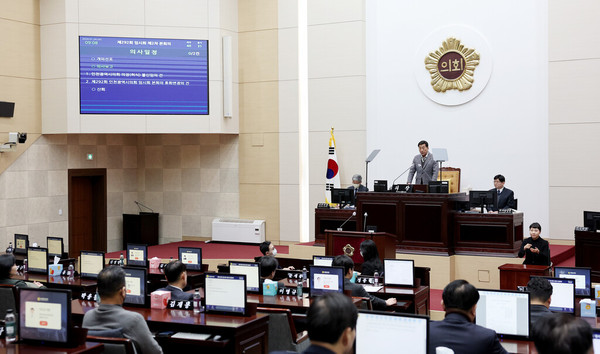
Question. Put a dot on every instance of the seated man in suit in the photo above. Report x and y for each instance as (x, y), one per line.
(562, 334)
(540, 296)
(176, 275)
(268, 266)
(506, 197)
(267, 248)
(458, 331)
(110, 315)
(357, 289)
(331, 323)
(357, 184)
(423, 165)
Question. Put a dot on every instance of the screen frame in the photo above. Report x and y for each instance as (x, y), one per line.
(560, 280)
(512, 336)
(589, 269)
(37, 270)
(315, 257)
(20, 250)
(146, 302)
(336, 194)
(90, 275)
(489, 194)
(187, 267)
(393, 284)
(259, 290)
(62, 245)
(208, 84)
(137, 263)
(312, 273)
(401, 314)
(217, 275)
(69, 316)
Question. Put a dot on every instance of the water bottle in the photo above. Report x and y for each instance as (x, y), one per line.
(197, 301)
(71, 271)
(121, 260)
(11, 326)
(10, 248)
(376, 278)
(304, 274)
(299, 290)
(25, 265)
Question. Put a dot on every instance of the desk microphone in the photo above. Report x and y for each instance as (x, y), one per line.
(344, 223)
(365, 221)
(402, 174)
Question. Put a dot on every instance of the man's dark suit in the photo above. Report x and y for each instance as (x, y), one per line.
(459, 334)
(359, 290)
(313, 349)
(506, 199)
(177, 294)
(360, 188)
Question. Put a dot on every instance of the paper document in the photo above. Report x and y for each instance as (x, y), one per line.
(372, 289)
(194, 336)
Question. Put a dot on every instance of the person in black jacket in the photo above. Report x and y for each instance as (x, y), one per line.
(176, 275)
(368, 250)
(357, 289)
(8, 268)
(506, 197)
(535, 249)
(540, 296)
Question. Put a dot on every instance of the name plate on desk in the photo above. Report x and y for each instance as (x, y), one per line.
(114, 262)
(162, 265)
(88, 296)
(363, 279)
(287, 291)
(294, 275)
(180, 305)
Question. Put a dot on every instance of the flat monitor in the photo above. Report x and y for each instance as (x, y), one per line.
(402, 188)
(563, 295)
(326, 261)
(591, 220)
(483, 198)
(385, 332)
(225, 293)
(21, 244)
(44, 315)
(91, 263)
(380, 185)
(596, 340)
(504, 311)
(399, 272)
(135, 285)
(342, 196)
(37, 260)
(55, 246)
(137, 255)
(191, 257)
(582, 276)
(252, 272)
(438, 187)
(326, 279)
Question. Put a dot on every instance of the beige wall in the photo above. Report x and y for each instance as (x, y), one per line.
(574, 122)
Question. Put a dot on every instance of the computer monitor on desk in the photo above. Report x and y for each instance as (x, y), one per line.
(91, 263)
(326, 279)
(37, 260)
(191, 257)
(342, 196)
(483, 199)
(225, 293)
(596, 340)
(379, 332)
(591, 220)
(55, 246)
(582, 277)
(135, 285)
(504, 311)
(563, 295)
(252, 272)
(438, 187)
(137, 255)
(399, 272)
(44, 315)
(21, 244)
(323, 260)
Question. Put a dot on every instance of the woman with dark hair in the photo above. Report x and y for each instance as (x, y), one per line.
(8, 268)
(372, 263)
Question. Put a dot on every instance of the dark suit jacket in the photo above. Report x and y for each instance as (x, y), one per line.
(538, 312)
(426, 172)
(506, 199)
(464, 337)
(359, 290)
(178, 294)
(313, 349)
(361, 188)
(369, 268)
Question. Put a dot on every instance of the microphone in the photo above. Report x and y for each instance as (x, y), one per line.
(402, 174)
(365, 221)
(344, 223)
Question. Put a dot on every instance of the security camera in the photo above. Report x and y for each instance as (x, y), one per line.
(13, 138)
(22, 138)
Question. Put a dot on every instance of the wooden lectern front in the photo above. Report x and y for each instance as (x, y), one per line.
(337, 241)
(513, 275)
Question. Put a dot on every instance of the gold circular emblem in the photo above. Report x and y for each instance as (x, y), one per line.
(452, 66)
(348, 250)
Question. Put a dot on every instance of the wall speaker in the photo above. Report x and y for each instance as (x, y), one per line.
(7, 109)
(227, 78)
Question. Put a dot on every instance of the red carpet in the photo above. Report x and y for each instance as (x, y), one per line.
(209, 250)
(560, 253)
(435, 299)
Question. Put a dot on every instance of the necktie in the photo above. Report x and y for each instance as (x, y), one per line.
(498, 191)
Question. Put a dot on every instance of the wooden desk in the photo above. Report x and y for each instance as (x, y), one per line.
(240, 334)
(418, 296)
(21, 348)
(156, 277)
(331, 219)
(484, 234)
(513, 275)
(336, 242)
(76, 285)
(587, 248)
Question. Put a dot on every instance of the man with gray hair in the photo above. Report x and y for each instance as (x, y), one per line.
(357, 184)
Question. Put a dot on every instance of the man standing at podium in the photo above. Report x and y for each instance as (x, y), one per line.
(424, 165)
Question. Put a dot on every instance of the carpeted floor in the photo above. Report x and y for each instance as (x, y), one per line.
(209, 250)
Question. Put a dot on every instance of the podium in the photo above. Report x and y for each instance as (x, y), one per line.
(140, 228)
(337, 241)
(587, 246)
(513, 275)
(485, 234)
